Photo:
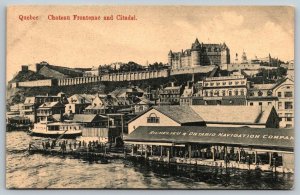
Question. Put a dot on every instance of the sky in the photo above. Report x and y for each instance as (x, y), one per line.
(158, 29)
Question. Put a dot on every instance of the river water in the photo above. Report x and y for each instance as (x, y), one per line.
(44, 171)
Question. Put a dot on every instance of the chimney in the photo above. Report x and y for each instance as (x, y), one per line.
(24, 68)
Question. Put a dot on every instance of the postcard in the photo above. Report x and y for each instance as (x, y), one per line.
(150, 97)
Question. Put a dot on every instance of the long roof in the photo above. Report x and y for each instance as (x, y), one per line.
(87, 118)
(242, 136)
(233, 114)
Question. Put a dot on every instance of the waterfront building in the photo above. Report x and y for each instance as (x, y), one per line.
(267, 149)
(97, 127)
(200, 54)
(212, 116)
(50, 111)
(78, 102)
(92, 120)
(32, 103)
(166, 116)
(40, 99)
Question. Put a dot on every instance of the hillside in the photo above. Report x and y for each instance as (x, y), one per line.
(17, 95)
(27, 76)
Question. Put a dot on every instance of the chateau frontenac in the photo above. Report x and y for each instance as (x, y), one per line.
(200, 54)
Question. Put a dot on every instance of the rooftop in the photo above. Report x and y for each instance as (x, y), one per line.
(181, 114)
(233, 114)
(234, 136)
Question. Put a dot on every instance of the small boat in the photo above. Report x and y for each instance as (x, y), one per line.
(64, 130)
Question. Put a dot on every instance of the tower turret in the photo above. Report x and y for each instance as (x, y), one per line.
(196, 53)
(170, 57)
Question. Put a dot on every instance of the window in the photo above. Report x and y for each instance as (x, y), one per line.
(242, 92)
(259, 93)
(152, 118)
(206, 93)
(230, 93)
(251, 93)
(279, 105)
(218, 83)
(288, 105)
(251, 103)
(206, 84)
(288, 94)
(217, 93)
(289, 116)
(211, 84)
(279, 94)
(260, 103)
(224, 83)
(223, 93)
(230, 83)
(237, 82)
(211, 93)
(288, 126)
(269, 93)
(243, 82)
(236, 93)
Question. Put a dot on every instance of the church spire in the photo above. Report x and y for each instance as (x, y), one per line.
(196, 44)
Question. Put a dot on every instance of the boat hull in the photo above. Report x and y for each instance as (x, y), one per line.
(56, 135)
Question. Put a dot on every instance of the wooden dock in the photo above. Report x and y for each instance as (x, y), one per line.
(104, 154)
(211, 163)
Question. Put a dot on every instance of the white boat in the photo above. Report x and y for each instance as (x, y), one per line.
(55, 129)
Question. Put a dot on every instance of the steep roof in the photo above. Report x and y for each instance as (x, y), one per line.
(85, 98)
(51, 104)
(29, 100)
(180, 114)
(233, 114)
(86, 118)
